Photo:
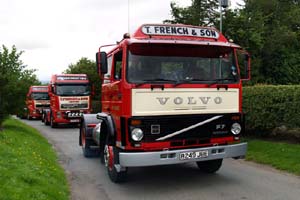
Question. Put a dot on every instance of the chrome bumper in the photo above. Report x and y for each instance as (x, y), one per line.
(131, 159)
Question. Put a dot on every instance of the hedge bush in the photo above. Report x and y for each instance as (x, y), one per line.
(272, 109)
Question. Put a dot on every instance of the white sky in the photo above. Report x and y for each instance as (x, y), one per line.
(56, 33)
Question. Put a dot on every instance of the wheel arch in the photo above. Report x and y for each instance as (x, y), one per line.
(109, 127)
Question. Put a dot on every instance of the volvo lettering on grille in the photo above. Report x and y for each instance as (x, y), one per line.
(189, 100)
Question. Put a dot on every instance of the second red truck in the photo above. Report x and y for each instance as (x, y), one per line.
(70, 98)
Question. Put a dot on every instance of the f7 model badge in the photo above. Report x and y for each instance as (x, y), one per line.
(220, 126)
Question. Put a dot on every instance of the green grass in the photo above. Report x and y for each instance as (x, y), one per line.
(28, 165)
(282, 156)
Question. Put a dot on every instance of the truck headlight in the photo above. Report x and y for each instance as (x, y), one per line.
(236, 128)
(137, 134)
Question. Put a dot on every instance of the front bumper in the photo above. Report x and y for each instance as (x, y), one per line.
(35, 115)
(67, 121)
(133, 159)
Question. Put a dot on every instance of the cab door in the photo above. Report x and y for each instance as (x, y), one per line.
(105, 93)
(116, 83)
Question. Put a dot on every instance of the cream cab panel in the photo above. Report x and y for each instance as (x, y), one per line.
(178, 101)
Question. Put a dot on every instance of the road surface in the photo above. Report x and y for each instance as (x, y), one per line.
(236, 180)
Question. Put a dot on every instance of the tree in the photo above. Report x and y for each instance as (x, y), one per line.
(268, 29)
(276, 25)
(86, 66)
(14, 80)
(200, 13)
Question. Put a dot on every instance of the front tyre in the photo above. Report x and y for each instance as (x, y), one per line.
(29, 117)
(43, 118)
(52, 123)
(210, 166)
(46, 122)
(110, 157)
(86, 144)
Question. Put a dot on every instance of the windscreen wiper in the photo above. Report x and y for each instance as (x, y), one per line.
(157, 80)
(221, 81)
(194, 80)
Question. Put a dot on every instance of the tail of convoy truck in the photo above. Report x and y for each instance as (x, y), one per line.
(171, 94)
(70, 98)
(37, 99)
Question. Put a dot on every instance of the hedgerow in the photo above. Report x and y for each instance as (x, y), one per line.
(272, 109)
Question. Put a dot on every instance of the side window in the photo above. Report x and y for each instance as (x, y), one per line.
(118, 65)
(108, 74)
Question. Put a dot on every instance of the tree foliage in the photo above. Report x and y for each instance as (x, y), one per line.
(86, 66)
(268, 29)
(15, 80)
(201, 12)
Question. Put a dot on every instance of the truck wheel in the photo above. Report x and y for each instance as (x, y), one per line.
(43, 118)
(210, 166)
(52, 123)
(102, 160)
(28, 117)
(109, 159)
(46, 122)
(88, 152)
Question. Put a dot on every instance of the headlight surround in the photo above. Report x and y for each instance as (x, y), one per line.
(236, 129)
(137, 134)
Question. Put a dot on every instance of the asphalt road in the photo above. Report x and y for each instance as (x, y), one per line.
(237, 179)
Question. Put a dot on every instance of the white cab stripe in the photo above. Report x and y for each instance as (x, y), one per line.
(189, 128)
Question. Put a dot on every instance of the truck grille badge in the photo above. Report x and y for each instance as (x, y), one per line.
(155, 129)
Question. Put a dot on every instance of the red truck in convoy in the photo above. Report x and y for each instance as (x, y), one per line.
(70, 98)
(37, 99)
(170, 94)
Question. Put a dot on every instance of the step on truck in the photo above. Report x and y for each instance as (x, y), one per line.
(171, 94)
(70, 98)
(37, 99)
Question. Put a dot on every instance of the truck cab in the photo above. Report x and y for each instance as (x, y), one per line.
(37, 99)
(170, 94)
(70, 98)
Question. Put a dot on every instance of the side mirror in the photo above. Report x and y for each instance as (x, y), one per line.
(101, 62)
(244, 62)
(53, 89)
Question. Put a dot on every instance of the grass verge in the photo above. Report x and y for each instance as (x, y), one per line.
(28, 165)
(282, 156)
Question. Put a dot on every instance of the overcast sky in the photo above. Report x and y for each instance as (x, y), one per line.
(56, 33)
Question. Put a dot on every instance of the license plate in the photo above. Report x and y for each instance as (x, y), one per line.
(193, 155)
(74, 120)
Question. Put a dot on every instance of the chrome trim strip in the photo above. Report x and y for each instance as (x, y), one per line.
(139, 159)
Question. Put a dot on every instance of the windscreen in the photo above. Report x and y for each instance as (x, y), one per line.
(40, 96)
(73, 90)
(181, 64)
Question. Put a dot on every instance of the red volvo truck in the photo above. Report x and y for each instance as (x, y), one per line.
(37, 99)
(170, 94)
(70, 98)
